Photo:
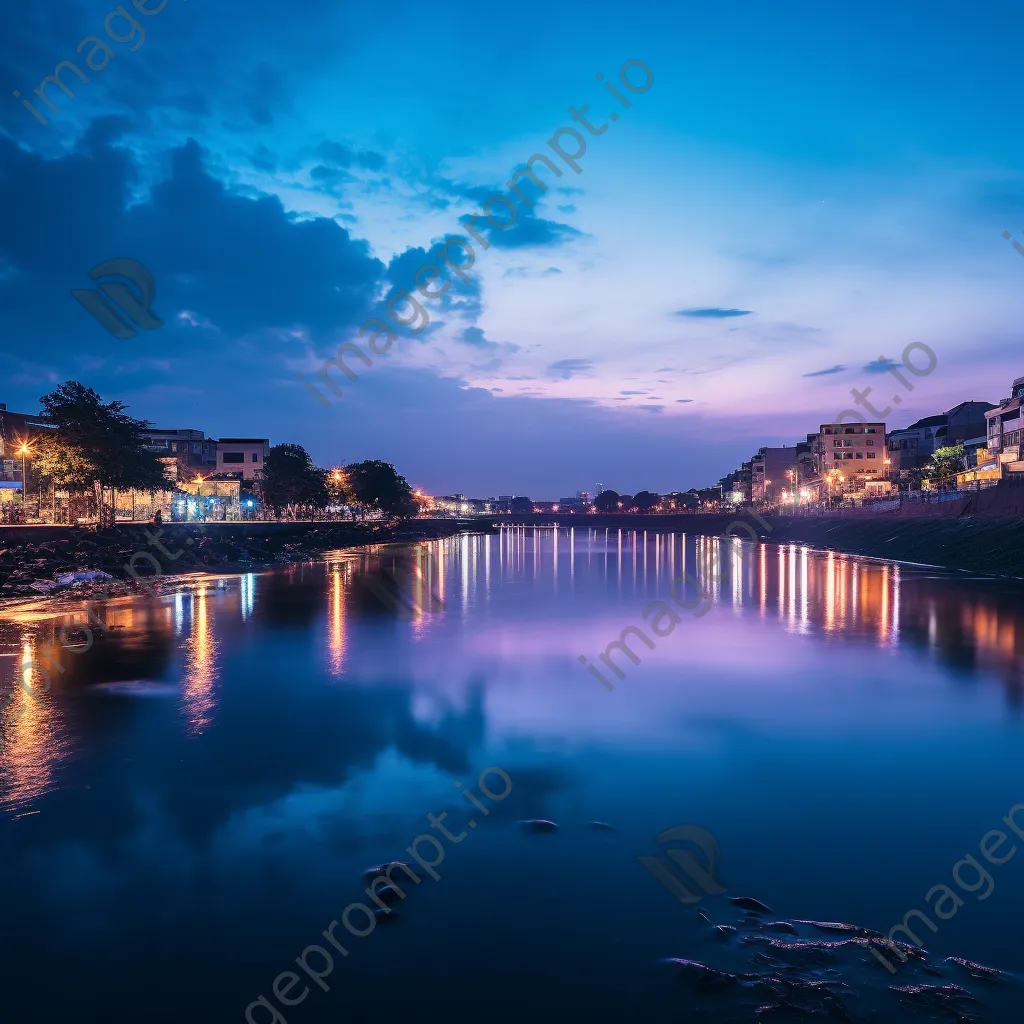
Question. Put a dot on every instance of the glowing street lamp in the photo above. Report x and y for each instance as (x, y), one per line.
(25, 450)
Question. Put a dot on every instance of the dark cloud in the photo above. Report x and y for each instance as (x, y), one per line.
(711, 312)
(650, 408)
(460, 297)
(243, 264)
(632, 392)
(528, 230)
(568, 368)
(881, 366)
(824, 373)
(475, 336)
(338, 155)
(682, 400)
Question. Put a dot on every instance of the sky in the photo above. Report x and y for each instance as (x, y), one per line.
(794, 191)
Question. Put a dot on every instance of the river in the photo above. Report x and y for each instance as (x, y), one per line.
(187, 812)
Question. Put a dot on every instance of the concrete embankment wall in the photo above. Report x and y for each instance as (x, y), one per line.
(990, 544)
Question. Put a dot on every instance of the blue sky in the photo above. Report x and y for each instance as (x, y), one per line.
(803, 189)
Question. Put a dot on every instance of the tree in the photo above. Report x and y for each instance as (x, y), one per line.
(339, 491)
(379, 486)
(628, 502)
(607, 501)
(645, 501)
(94, 442)
(290, 478)
(685, 499)
(947, 462)
(521, 505)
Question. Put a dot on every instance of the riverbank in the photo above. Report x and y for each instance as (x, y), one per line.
(28, 566)
(981, 544)
(991, 545)
(138, 556)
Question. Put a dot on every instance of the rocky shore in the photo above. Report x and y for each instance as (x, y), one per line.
(136, 557)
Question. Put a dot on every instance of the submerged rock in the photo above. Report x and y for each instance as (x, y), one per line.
(539, 825)
(749, 903)
(975, 970)
(789, 970)
(398, 869)
(388, 894)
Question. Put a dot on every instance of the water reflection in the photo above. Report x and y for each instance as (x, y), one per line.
(968, 624)
(240, 749)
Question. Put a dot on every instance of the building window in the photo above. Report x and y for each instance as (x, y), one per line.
(860, 455)
(837, 444)
(848, 430)
(233, 457)
(869, 441)
(174, 447)
(255, 456)
(870, 430)
(847, 444)
(871, 455)
(197, 449)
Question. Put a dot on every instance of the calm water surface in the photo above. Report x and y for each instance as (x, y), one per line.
(196, 798)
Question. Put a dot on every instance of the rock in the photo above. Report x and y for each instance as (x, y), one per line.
(539, 825)
(749, 903)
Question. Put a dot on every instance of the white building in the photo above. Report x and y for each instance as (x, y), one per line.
(244, 455)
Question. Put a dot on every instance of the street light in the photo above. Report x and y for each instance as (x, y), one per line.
(24, 451)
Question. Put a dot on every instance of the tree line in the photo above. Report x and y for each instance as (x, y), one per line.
(91, 444)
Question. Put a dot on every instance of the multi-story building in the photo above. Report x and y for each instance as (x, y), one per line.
(850, 456)
(913, 446)
(242, 456)
(757, 477)
(1004, 425)
(16, 428)
(194, 452)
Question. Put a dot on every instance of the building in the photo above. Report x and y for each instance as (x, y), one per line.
(781, 472)
(16, 428)
(913, 446)
(194, 452)
(242, 455)
(852, 456)
(1003, 428)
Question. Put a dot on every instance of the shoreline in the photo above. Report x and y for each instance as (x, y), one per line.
(139, 557)
(139, 560)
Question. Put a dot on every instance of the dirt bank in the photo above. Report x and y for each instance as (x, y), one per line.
(28, 567)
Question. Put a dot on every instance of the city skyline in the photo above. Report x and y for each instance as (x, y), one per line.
(753, 232)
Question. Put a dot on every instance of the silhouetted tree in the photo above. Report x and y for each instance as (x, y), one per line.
(521, 505)
(94, 442)
(378, 485)
(644, 501)
(607, 501)
(290, 478)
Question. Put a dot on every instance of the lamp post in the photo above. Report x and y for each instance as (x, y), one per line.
(24, 451)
